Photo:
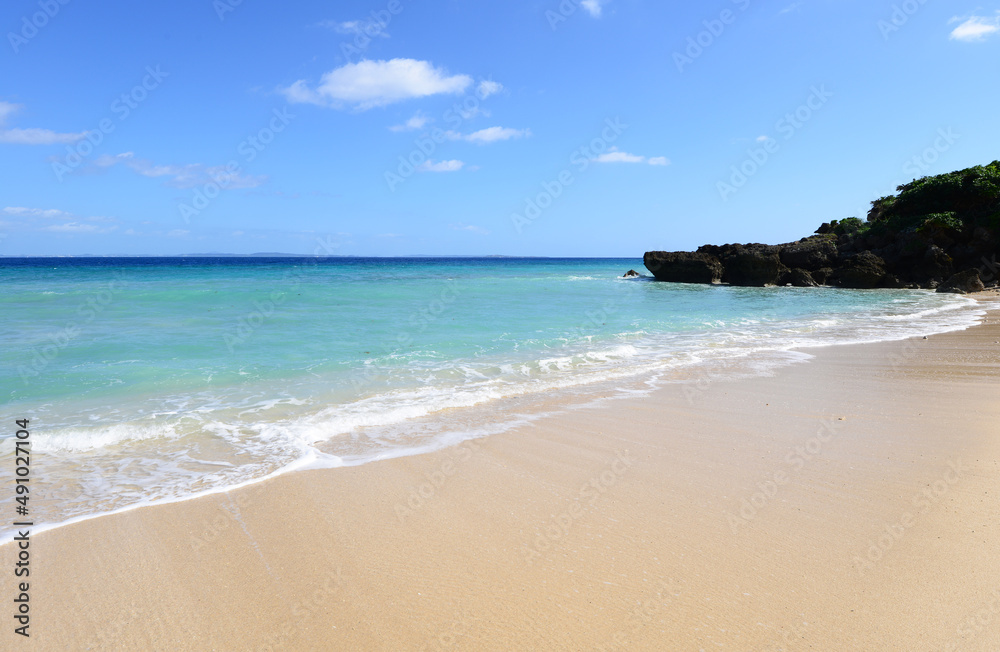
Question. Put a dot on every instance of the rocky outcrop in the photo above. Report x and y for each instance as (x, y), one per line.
(939, 232)
(840, 261)
(964, 282)
(748, 265)
(810, 253)
(863, 271)
(800, 278)
(683, 267)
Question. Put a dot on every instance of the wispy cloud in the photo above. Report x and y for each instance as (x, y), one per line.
(494, 134)
(371, 28)
(31, 136)
(77, 227)
(37, 137)
(614, 155)
(6, 109)
(440, 166)
(48, 213)
(975, 28)
(475, 111)
(594, 7)
(472, 228)
(488, 87)
(369, 84)
(417, 122)
(790, 8)
(190, 175)
(41, 219)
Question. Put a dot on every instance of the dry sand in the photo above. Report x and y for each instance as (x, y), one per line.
(848, 503)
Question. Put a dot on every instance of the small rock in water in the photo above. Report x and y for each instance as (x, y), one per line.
(925, 337)
(631, 274)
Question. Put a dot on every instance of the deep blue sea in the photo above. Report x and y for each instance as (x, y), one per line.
(153, 379)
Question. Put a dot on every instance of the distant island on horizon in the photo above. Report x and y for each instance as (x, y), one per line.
(287, 255)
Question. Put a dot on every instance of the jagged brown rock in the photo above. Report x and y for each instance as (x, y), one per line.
(683, 267)
(809, 253)
(937, 232)
(800, 278)
(863, 271)
(964, 282)
(753, 265)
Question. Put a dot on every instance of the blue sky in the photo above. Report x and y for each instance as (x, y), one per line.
(396, 127)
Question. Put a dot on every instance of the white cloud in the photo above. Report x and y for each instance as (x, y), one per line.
(6, 109)
(494, 134)
(790, 8)
(37, 137)
(369, 83)
(975, 28)
(68, 222)
(76, 227)
(21, 211)
(345, 27)
(614, 155)
(357, 27)
(418, 121)
(470, 227)
(593, 7)
(32, 136)
(474, 112)
(178, 233)
(107, 160)
(190, 175)
(488, 87)
(441, 166)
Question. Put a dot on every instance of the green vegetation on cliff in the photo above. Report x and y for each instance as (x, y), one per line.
(954, 201)
(936, 232)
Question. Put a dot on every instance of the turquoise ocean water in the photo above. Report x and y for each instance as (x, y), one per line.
(150, 380)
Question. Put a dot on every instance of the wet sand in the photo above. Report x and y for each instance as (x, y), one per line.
(851, 502)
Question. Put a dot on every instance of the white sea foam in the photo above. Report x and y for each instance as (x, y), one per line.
(207, 443)
(99, 438)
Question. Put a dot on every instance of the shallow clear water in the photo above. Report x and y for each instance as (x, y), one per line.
(155, 379)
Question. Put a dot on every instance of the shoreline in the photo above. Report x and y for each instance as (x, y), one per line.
(619, 526)
(598, 394)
